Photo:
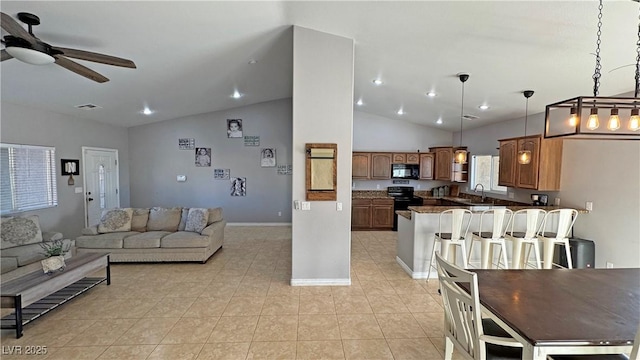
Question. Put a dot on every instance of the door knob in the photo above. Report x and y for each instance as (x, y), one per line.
(89, 199)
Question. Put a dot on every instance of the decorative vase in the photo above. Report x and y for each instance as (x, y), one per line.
(53, 263)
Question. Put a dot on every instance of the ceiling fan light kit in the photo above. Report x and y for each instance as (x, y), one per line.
(25, 46)
(624, 120)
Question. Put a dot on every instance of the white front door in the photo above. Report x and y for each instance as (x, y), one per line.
(101, 182)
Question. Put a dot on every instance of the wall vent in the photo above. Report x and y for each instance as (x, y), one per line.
(471, 117)
(88, 107)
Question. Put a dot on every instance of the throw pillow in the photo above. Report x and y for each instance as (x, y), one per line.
(197, 220)
(215, 214)
(114, 220)
(183, 219)
(139, 220)
(16, 231)
(164, 219)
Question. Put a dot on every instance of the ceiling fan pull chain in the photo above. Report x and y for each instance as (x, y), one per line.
(596, 74)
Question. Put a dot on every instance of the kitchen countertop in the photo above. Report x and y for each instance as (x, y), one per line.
(435, 209)
(370, 194)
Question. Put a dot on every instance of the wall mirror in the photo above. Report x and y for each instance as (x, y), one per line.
(321, 172)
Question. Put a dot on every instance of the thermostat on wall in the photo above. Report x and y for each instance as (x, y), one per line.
(182, 178)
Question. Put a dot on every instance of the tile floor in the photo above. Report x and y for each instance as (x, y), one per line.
(239, 305)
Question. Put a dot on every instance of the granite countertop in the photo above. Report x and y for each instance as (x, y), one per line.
(404, 213)
(370, 194)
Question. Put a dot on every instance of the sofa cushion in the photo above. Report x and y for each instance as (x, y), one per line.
(8, 263)
(146, 240)
(16, 231)
(183, 219)
(139, 220)
(185, 239)
(26, 254)
(164, 219)
(115, 220)
(215, 215)
(104, 241)
(197, 220)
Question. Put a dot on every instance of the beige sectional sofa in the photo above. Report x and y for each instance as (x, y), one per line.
(155, 234)
(20, 245)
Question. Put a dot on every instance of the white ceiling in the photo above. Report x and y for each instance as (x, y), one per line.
(191, 56)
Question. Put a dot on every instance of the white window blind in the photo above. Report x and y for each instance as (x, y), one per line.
(27, 178)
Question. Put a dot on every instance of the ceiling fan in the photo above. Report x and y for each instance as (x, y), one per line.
(23, 45)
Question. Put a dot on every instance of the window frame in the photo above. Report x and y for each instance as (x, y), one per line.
(493, 179)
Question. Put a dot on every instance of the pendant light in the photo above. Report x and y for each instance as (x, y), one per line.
(524, 155)
(460, 156)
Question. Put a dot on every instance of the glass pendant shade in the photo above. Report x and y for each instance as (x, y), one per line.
(524, 157)
(634, 120)
(593, 122)
(573, 117)
(614, 120)
(460, 156)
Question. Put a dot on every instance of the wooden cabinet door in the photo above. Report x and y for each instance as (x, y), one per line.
(399, 158)
(382, 213)
(527, 174)
(508, 161)
(413, 158)
(361, 214)
(443, 162)
(426, 166)
(380, 166)
(360, 163)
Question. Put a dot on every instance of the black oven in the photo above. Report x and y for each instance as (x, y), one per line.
(402, 199)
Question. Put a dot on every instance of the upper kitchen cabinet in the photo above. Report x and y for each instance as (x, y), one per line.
(380, 166)
(444, 167)
(541, 173)
(405, 158)
(413, 158)
(361, 164)
(426, 166)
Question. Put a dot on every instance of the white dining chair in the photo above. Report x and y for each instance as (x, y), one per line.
(500, 220)
(565, 220)
(634, 355)
(522, 242)
(465, 330)
(460, 220)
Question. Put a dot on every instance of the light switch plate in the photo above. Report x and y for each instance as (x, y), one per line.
(306, 205)
(78, 190)
(339, 206)
(181, 178)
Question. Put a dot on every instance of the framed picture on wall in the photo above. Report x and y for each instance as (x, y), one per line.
(234, 128)
(186, 144)
(221, 174)
(239, 186)
(268, 157)
(203, 157)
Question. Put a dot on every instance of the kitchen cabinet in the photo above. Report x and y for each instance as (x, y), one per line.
(368, 214)
(398, 158)
(360, 165)
(380, 166)
(542, 173)
(426, 166)
(413, 158)
(444, 167)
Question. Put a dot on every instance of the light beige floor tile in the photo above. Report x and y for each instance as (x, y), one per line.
(413, 349)
(419, 303)
(244, 306)
(224, 351)
(253, 289)
(318, 327)
(129, 352)
(276, 328)
(404, 285)
(439, 345)
(282, 288)
(191, 331)
(352, 305)
(359, 326)
(272, 350)
(47, 333)
(170, 307)
(366, 349)
(326, 350)
(207, 307)
(176, 352)
(353, 290)
(400, 326)
(315, 290)
(387, 304)
(67, 353)
(234, 329)
(317, 304)
(147, 331)
(431, 323)
(281, 305)
(376, 287)
(103, 332)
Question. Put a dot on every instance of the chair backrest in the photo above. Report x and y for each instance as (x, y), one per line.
(462, 314)
(501, 218)
(460, 222)
(566, 219)
(534, 218)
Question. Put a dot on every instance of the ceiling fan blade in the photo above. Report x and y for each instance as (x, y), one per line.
(79, 69)
(5, 55)
(13, 28)
(95, 57)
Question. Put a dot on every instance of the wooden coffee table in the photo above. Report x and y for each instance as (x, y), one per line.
(37, 293)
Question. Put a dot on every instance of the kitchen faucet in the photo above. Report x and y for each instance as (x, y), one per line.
(476, 190)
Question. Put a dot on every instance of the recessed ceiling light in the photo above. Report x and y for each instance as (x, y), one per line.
(439, 121)
(377, 81)
(431, 94)
(237, 95)
(400, 112)
(359, 102)
(253, 61)
(147, 111)
(483, 107)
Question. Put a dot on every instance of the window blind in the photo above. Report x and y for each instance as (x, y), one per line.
(27, 178)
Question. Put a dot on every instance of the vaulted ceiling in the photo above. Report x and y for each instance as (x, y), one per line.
(192, 56)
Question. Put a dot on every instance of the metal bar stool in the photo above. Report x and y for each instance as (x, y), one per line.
(566, 219)
(527, 238)
(500, 218)
(458, 229)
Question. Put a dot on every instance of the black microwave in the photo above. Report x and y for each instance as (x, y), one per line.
(405, 171)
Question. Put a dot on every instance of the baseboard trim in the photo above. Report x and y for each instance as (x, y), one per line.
(258, 224)
(415, 275)
(320, 282)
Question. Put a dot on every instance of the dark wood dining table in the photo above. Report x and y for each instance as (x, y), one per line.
(579, 311)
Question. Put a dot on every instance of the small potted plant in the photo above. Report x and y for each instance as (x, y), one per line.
(54, 251)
